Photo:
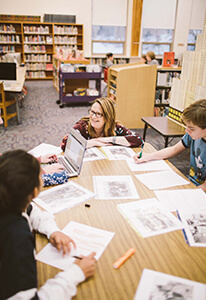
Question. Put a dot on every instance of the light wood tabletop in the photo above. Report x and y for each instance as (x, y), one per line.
(167, 253)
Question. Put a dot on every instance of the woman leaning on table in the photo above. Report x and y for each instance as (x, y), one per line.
(100, 128)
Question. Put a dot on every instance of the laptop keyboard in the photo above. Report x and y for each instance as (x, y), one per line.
(65, 164)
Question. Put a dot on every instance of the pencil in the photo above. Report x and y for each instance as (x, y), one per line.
(140, 155)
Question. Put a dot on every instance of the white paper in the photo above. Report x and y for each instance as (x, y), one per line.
(87, 239)
(114, 187)
(43, 149)
(194, 199)
(154, 285)
(161, 180)
(63, 197)
(93, 154)
(118, 152)
(148, 217)
(195, 227)
(154, 165)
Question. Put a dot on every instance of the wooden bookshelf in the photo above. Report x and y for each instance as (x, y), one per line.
(132, 88)
(37, 43)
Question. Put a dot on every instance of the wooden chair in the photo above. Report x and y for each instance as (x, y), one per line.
(6, 103)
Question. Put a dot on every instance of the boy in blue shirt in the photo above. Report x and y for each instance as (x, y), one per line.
(194, 117)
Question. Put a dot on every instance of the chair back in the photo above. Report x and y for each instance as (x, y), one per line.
(106, 75)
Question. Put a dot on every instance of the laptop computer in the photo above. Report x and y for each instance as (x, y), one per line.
(74, 153)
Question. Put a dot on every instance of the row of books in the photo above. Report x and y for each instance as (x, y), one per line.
(162, 96)
(38, 39)
(38, 74)
(166, 78)
(7, 28)
(65, 40)
(39, 48)
(38, 58)
(37, 66)
(9, 39)
(9, 48)
(65, 30)
(36, 29)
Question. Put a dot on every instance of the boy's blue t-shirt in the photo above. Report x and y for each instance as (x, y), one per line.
(197, 172)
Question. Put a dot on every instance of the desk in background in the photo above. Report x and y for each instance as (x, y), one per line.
(164, 126)
(167, 253)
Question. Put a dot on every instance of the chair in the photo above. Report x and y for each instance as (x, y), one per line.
(6, 103)
(105, 79)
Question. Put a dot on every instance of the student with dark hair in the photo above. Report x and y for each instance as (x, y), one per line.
(110, 58)
(20, 182)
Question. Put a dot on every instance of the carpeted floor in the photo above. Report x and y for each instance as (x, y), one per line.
(43, 121)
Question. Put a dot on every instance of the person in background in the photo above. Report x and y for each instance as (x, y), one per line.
(20, 182)
(151, 59)
(110, 58)
(143, 59)
(194, 117)
(100, 128)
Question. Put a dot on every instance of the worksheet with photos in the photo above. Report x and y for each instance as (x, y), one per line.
(154, 285)
(194, 199)
(154, 165)
(118, 152)
(195, 227)
(87, 239)
(148, 218)
(114, 187)
(93, 154)
(63, 197)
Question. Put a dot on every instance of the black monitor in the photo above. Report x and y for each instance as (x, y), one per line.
(7, 71)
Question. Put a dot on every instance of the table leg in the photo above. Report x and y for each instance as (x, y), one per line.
(166, 142)
(145, 130)
(18, 112)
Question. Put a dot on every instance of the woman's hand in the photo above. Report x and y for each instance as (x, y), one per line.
(61, 241)
(54, 168)
(98, 142)
(87, 264)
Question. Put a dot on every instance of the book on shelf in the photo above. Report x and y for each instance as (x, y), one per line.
(168, 59)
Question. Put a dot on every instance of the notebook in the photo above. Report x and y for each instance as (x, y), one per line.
(74, 153)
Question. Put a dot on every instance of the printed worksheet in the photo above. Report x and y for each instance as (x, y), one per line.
(114, 187)
(154, 165)
(195, 227)
(93, 154)
(118, 152)
(43, 149)
(148, 218)
(161, 179)
(154, 285)
(87, 239)
(194, 199)
(63, 197)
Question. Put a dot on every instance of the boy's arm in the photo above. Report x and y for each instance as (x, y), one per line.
(161, 154)
(203, 186)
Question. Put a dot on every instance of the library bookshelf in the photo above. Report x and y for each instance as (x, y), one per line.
(132, 88)
(37, 43)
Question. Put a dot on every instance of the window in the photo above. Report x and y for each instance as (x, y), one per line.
(157, 40)
(108, 39)
(192, 38)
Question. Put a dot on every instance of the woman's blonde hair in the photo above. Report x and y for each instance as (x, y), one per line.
(109, 115)
(196, 113)
(151, 55)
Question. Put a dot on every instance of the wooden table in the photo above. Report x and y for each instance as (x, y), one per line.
(166, 253)
(164, 126)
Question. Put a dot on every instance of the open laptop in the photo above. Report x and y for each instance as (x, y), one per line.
(74, 153)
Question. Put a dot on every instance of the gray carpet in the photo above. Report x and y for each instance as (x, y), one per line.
(43, 121)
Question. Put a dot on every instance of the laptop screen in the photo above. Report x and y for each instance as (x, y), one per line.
(75, 148)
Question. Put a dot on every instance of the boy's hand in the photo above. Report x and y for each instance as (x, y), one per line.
(61, 241)
(48, 158)
(87, 264)
(144, 158)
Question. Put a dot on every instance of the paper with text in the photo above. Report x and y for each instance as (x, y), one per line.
(154, 165)
(93, 154)
(43, 149)
(87, 239)
(118, 152)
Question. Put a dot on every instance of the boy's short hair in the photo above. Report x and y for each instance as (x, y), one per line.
(110, 54)
(196, 113)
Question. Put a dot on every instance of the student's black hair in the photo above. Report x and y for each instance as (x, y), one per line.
(109, 54)
(19, 175)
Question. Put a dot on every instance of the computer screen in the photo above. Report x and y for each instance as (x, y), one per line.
(7, 71)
